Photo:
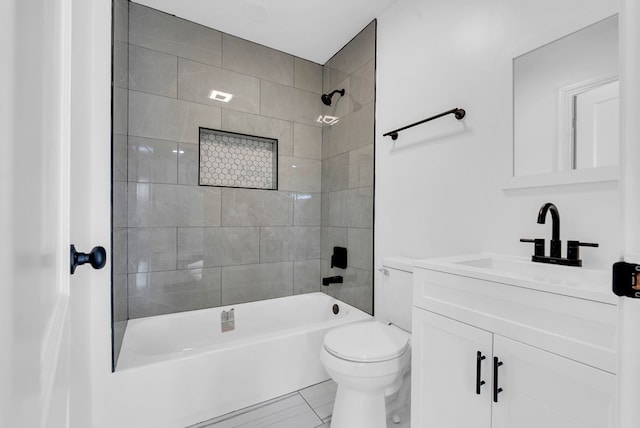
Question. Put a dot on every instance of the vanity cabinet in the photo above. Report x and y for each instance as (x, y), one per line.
(453, 386)
(542, 389)
(553, 356)
(443, 383)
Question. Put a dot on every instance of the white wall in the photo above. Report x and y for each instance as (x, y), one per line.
(439, 186)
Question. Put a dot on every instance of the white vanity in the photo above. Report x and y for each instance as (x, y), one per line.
(503, 342)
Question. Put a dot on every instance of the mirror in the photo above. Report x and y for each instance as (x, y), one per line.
(565, 101)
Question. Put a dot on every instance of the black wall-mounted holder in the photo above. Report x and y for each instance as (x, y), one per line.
(339, 258)
(625, 279)
(459, 114)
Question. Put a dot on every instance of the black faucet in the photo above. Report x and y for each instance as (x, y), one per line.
(332, 280)
(555, 252)
(556, 243)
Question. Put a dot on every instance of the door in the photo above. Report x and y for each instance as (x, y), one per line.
(42, 84)
(597, 126)
(446, 366)
(541, 389)
(34, 218)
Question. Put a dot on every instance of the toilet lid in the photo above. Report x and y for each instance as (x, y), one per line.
(369, 341)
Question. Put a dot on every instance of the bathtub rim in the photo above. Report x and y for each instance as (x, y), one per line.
(354, 315)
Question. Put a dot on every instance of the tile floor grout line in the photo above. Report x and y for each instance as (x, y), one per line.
(310, 406)
(293, 416)
(213, 422)
(242, 411)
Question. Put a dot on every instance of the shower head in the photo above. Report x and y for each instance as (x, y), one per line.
(326, 98)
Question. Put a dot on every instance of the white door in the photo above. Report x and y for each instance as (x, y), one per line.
(446, 368)
(41, 77)
(541, 389)
(597, 122)
(34, 217)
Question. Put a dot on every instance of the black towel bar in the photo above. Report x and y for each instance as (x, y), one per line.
(458, 112)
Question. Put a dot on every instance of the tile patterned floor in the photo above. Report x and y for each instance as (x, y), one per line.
(308, 408)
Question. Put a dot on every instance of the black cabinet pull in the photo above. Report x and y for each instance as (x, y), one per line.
(496, 363)
(479, 382)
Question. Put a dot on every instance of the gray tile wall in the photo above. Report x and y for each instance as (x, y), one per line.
(119, 295)
(187, 246)
(348, 169)
(178, 246)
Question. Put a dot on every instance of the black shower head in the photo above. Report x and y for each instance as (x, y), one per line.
(326, 98)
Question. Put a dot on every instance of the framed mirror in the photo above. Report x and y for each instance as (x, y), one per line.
(566, 109)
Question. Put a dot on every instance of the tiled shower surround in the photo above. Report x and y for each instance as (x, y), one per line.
(182, 246)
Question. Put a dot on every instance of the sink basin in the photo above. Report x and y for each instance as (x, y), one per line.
(589, 283)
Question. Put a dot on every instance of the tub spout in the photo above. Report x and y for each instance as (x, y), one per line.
(332, 280)
(227, 320)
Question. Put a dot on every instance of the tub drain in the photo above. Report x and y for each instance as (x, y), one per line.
(336, 308)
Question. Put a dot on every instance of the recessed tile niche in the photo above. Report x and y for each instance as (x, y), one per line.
(229, 159)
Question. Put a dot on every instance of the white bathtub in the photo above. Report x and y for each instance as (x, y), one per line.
(179, 369)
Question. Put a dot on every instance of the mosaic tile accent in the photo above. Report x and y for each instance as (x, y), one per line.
(228, 159)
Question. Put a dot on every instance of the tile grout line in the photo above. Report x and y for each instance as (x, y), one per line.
(244, 411)
(310, 406)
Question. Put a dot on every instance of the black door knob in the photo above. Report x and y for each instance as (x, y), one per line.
(97, 258)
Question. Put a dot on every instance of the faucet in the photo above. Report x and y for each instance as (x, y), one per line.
(332, 280)
(555, 252)
(556, 243)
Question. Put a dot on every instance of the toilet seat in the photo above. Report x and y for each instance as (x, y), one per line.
(366, 342)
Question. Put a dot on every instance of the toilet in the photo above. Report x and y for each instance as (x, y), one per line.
(368, 359)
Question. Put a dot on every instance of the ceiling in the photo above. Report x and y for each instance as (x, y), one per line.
(313, 30)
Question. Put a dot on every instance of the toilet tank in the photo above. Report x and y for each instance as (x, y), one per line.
(397, 291)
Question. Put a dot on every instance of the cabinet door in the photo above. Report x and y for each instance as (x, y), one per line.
(541, 389)
(444, 373)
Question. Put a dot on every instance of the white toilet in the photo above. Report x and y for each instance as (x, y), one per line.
(368, 359)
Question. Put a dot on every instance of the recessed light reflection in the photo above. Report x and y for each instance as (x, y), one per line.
(220, 96)
(328, 120)
(178, 151)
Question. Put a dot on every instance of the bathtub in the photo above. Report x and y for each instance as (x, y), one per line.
(179, 369)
